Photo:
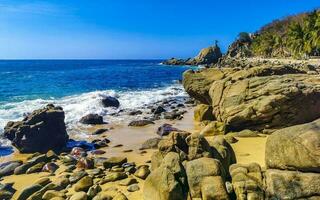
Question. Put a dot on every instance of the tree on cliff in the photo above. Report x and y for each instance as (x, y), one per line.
(297, 36)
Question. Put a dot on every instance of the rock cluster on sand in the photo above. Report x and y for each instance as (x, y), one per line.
(74, 171)
(188, 165)
(292, 161)
(206, 56)
(40, 131)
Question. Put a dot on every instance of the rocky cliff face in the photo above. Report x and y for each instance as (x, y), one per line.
(206, 56)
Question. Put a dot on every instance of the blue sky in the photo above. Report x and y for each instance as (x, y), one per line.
(133, 29)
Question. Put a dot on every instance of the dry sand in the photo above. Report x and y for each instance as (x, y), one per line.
(247, 150)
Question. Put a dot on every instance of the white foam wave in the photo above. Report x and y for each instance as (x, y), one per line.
(77, 106)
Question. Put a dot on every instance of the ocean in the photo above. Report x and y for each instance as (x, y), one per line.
(79, 85)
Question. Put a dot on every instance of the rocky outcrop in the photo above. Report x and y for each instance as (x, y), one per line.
(168, 181)
(198, 83)
(33, 132)
(257, 95)
(295, 148)
(267, 102)
(292, 185)
(209, 55)
(206, 56)
(187, 166)
(203, 112)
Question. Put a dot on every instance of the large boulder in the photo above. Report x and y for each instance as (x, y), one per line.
(295, 148)
(209, 55)
(197, 83)
(223, 151)
(247, 181)
(214, 128)
(206, 56)
(110, 102)
(266, 102)
(40, 131)
(206, 178)
(292, 185)
(168, 181)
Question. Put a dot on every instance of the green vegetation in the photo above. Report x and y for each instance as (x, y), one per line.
(297, 36)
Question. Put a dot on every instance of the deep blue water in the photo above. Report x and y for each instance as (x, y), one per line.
(32, 79)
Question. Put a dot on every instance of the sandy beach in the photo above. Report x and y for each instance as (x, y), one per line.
(128, 138)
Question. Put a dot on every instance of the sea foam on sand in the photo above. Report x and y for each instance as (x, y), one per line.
(77, 106)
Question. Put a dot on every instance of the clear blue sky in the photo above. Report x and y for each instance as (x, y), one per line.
(115, 29)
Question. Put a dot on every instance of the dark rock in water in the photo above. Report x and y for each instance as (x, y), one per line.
(159, 110)
(174, 61)
(140, 123)
(92, 119)
(100, 131)
(165, 129)
(151, 143)
(110, 102)
(206, 56)
(42, 130)
(180, 105)
(9, 167)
